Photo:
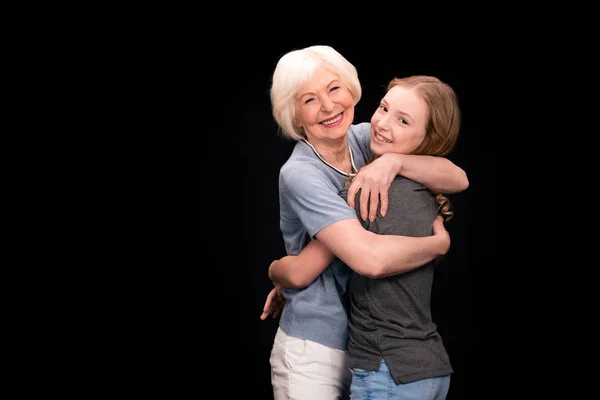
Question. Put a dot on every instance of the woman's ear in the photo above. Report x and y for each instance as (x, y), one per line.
(297, 122)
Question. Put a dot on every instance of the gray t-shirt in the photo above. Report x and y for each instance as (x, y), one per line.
(309, 201)
(390, 317)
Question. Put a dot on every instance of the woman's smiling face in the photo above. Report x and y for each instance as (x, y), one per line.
(324, 108)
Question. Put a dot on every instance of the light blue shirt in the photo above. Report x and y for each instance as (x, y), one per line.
(309, 201)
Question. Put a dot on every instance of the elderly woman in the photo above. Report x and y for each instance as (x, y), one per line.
(313, 94)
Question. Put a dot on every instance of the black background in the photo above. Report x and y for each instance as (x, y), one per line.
(207, 225)
(256, 241)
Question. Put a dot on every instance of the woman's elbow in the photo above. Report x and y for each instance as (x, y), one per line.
(366, 258)
(372, 273)
(371, 268)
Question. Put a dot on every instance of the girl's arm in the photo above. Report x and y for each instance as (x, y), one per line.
(300, 270)
(295, 272)
(438, 174)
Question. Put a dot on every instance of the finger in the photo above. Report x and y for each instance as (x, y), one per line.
(438, 223)
(374, 199)
(269, 301)
(265, 313)
(364, 203)
(383, 198)
(273, 305)
(276, 299)
(277, 310)
(352, 192)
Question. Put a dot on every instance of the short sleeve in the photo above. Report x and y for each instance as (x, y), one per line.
(312, 197)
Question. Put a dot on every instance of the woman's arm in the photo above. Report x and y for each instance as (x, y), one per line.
(438, 174)
(384, 255)
(300, 270)
(378, 256)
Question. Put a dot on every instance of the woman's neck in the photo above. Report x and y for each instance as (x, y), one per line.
(335, 153)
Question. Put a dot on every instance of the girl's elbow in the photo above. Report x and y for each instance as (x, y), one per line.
(465, 183)
(459, 185)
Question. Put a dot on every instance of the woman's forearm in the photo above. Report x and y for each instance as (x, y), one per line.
(399, 254)
(377, 256)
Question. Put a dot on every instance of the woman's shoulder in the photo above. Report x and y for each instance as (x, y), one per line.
(360, 129)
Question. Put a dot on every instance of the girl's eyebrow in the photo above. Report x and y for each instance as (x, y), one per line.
(404, 114)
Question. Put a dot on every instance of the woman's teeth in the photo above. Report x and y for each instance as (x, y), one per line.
(332, 121)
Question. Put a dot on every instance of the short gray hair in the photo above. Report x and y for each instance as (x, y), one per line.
(294, 70)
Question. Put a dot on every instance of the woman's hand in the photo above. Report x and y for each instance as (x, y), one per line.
(374, 180)
(274, 303)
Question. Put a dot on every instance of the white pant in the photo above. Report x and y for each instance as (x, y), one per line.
(306, 370)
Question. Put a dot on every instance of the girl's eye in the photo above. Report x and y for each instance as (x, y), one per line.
(403, 121)
(382, 108)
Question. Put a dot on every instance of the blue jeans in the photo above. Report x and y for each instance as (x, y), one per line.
(380, 385)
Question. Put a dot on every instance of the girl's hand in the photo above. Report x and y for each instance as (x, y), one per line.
(274, 303)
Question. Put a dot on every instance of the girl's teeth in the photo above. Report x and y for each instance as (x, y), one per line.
(381, 138)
